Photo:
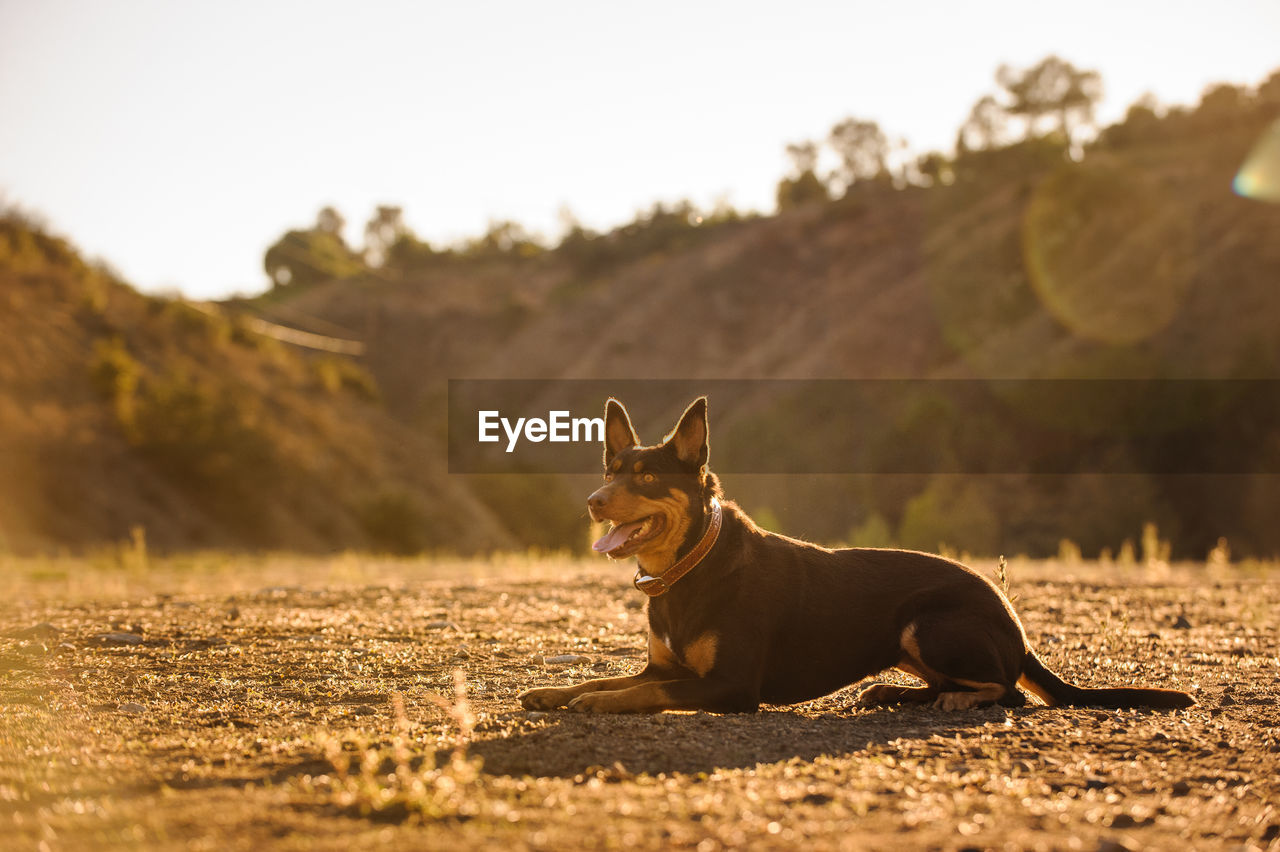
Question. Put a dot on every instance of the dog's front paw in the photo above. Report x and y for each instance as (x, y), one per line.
(545, 698)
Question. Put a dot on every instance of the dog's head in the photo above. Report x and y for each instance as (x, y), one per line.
(655, 497)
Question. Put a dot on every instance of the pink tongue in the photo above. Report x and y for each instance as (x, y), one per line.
(616, 537)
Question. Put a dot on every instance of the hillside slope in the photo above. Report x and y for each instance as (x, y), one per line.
(120, 411)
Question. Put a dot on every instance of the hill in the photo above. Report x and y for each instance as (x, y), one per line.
(120, 411)
(1136, 261)
(1131, 258)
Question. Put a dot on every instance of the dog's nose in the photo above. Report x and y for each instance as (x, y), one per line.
(597, 500)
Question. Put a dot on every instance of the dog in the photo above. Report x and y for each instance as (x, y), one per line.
(739, 616)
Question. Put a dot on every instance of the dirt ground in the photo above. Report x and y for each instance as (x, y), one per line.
(375, 708)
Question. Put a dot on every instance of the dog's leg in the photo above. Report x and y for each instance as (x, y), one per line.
(716, 695)
(661, 665)
(553, 697)
(885, 694)
(968, 659)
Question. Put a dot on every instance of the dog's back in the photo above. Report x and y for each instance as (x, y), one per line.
(826, 617)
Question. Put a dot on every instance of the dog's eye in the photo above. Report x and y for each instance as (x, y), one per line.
(648, 478)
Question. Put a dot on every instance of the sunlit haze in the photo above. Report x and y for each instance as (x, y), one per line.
(177, 141)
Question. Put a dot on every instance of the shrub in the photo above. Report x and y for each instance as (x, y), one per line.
(396, 521)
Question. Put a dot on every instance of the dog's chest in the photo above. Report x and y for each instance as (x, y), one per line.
(695, 650)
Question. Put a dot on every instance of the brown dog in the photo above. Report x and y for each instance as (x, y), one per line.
(740, 616)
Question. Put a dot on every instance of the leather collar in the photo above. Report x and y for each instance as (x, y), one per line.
(654, 586)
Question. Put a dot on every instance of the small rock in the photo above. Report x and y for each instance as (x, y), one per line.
(567, 660)
(117, 638)
(600, 666)
(1114, 844)
(535, 716)
(363, 710)
(233, 613)
(440, 625)
(132, 708)
(43, 630)
(1181, 623)
(1181, 788)
(1226, 700)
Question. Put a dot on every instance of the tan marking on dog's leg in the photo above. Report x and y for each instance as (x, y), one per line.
(907, 642)
(660, 654)
(983, 693)
(700, 654)
(883, 694)
(645, 698)
(911, 663)
(551, 697)
(1037, 690)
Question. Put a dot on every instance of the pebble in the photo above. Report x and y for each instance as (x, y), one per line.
(1114, 844)
(566, 660)
(118, 638)
(43, 630)
(1181, 623)
(441, 625)
(132, 708)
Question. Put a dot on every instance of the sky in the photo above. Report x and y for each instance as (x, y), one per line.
(177, 140)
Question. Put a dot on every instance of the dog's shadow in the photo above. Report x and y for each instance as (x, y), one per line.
(565, 744)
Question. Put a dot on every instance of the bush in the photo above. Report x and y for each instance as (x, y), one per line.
(339, 374)
(950, 513)
(396, 521)
(115, 374)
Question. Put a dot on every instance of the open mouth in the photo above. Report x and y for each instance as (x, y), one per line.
(625, 539)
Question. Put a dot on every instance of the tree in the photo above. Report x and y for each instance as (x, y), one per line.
(1268, 91)
(935, 168)
(986, 128)
(1222, 101)
(330, 221)
(382, 232)
(1141, 123)
(505, 238)
(1054, 89)
(863, 150)
(302, 258)
(804, 186)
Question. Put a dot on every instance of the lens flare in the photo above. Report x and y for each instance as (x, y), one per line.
(1110, 253)
(1259, 177)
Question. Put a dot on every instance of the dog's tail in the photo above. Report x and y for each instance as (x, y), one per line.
(1039, 680)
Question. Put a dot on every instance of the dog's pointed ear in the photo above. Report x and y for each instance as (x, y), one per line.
(690, 437)
(618, 433)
